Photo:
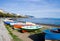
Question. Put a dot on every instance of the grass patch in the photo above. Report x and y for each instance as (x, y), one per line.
(15, 38)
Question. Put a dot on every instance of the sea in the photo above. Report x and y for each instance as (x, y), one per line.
(52, 21)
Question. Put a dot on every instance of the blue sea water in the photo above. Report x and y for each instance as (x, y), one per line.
(52, 21)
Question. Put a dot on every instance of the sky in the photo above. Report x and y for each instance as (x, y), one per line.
(37, 8)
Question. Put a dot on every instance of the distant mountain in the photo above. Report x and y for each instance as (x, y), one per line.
(29, 16)
(9, 14)
(14, 14)
(1, 10)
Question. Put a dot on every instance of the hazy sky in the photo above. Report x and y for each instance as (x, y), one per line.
(37, 8)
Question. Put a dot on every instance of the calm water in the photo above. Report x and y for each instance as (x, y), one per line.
(55, 21)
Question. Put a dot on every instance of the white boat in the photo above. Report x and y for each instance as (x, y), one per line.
(30, 23)
(31, 28)
(18, 23)
(7, 20)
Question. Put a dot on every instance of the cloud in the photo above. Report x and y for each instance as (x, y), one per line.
(42, 10)
(32, 6)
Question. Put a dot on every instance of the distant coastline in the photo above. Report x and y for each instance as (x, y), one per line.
(48, 24)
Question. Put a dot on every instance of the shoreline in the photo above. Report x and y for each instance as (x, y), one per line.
(52, 25)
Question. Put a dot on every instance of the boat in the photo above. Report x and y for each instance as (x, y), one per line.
(8, 20)
(16, 23)
(30, 23)
(8, 23)
(20, 25)
(31, 28)
(52, 34)
(17, 26)
(27, 28)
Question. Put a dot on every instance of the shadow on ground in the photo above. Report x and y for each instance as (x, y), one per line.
(38, 37)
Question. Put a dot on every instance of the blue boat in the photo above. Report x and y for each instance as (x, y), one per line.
(52, 35)
(8, 22)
